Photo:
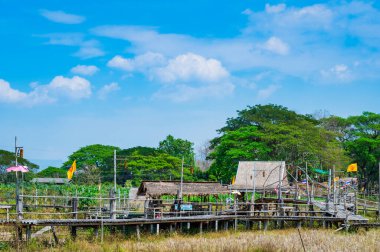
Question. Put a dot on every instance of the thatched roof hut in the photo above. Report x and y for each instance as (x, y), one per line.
(266, 175)
(156, 189)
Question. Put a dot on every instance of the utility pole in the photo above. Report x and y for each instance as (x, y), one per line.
(307, 186)
(328, 192)
(114, 169)
(181, 184)
(16, 149)
(378, 196)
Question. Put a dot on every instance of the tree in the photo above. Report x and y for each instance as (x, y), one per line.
(7, 159)
(144, 163)
(272, 132)
(234, 146)
(179, 148)
(363, 144)
(52, 172)
(90, 155)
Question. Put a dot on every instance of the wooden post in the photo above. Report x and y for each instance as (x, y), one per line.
(74, 209)
(216, 225)
(226, 225)
(112, 204)
(54, 235)
(200, 227)
(28, 233)
(236, 224)
(138, 232)
(188, 226)
(158, 229)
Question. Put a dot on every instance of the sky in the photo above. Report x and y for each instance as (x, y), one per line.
(129, 73)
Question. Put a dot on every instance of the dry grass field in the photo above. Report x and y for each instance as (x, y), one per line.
(275, 240)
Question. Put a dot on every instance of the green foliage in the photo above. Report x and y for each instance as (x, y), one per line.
(52, 172)
(7, 159)
(144, 163)
(179, 148)
(272, 132)
(363, 144)
(241, 144)
(95, 154)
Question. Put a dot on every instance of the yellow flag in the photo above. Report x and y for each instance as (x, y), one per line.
(352, 167)
(72, 169)
(233, 180)
(336, 179)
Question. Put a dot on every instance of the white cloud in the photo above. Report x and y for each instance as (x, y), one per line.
(84, 70)
(184, 93)
(60, 87)
(139, 63)
(274, 8)
(267, 92)
(191, 66)
(87, 48)
(339, 72)
(74, 88)
(276, 45)
(62, 17)
(8, 94)
(247, 12)
(344, 32)
(106, 89)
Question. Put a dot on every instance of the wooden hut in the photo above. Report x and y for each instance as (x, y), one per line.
(156, 189)
(263, 175)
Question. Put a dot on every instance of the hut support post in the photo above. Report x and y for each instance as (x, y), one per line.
(236, 223)
(265, 225)
(216, 225)
(74, 209)
(54, 235)
(200, 227)
(226, 225)
(138, 232)
(112, 204)
(28, 233)
(188, 226)
(158, 229)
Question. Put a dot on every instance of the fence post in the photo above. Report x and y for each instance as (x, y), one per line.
(112, 204)
(74, 209)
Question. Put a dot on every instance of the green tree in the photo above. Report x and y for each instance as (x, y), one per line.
(52, 172)
(363, 144)
(144, 163)
(272, 132)
(179, 148)
(92, 155)
(7, 159)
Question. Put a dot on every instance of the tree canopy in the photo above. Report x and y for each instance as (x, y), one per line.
(272, 132)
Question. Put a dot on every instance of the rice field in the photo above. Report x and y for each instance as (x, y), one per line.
(274, 240)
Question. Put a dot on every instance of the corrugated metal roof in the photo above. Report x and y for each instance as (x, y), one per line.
(266, 175)
(50, 180)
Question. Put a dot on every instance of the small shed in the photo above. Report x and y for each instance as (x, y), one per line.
(156, 189)
(50, 180)
(265, 174)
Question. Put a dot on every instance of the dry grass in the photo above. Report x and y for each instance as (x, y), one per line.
(276, 240)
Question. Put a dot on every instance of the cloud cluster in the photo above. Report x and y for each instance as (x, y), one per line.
(296, 41)
(88, 48)
(185, 77)
(62, 17)
(60, 87)
(107, 89)
(84, 70)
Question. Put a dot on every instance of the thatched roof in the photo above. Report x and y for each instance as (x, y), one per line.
(266, 175)
(155, 189)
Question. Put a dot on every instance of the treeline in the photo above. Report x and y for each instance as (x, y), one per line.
(260, 132)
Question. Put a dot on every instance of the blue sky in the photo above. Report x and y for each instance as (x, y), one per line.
(128, 73)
